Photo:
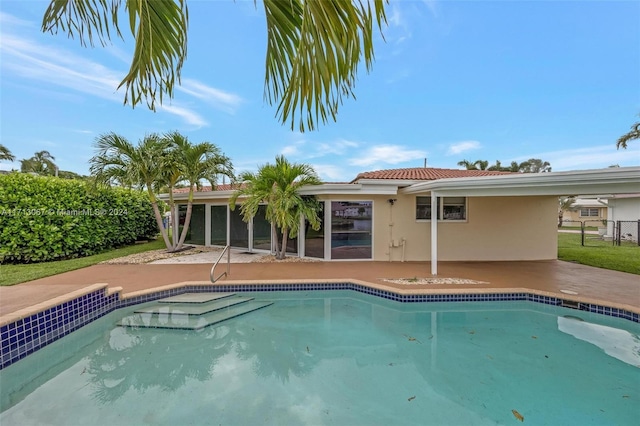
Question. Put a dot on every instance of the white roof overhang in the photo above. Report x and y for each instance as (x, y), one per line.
(203, 195)
(617, 180)
(373, 188)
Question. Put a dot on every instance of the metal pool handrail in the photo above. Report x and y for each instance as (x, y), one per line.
(227, 272)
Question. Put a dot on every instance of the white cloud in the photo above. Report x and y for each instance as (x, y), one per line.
(220, 99)
(588, 158)
(337, 147)
(463, 146)
(189, 116)
(6, 19)
(432, 5)
(387, 154)
(51, 66)
(333, 173)
(307, 150)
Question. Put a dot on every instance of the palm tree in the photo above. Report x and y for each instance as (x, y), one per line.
(277, 185)
(5, 154)
(564, 204)
(119, 161)
(633, 134)
(313, 48)
(482, 164)
(41, 163)
(476, 165)
(193, 163)
(469, 165)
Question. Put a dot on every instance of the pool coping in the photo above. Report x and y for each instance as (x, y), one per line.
(29, 329)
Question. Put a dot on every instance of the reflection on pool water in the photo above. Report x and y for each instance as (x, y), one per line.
(338, 357)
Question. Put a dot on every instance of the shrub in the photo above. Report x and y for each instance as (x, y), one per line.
(47, 218)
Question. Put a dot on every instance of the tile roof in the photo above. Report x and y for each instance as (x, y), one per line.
(221, 187)
(415, 173)
(425, 173)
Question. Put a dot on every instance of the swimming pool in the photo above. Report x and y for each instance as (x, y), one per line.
(338, 357)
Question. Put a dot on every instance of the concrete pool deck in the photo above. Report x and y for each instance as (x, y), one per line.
(557, 278)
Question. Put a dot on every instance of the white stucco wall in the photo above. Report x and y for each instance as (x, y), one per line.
(625, 209)
(497, 228)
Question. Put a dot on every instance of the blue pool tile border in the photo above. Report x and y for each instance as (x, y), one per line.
(25, 336)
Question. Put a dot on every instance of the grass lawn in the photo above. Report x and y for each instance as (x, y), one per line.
(625, 258)
(15, 274)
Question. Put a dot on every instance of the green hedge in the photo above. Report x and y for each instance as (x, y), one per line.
(47, 218)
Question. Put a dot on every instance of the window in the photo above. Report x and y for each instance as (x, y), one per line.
(449, 208)
(594, 212)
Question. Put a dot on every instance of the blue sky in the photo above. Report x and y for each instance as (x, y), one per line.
(453, 80)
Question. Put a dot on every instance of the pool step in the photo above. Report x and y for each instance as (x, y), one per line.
(195, 297)
(193, 308)
(192, 315)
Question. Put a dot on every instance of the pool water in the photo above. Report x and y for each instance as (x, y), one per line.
(341, 358)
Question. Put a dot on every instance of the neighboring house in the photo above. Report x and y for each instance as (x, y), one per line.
(604, 211)
(625, 208)
(586, 209)
(386, 215)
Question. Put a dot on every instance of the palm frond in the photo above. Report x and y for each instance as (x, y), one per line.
(159, 28)
(633, 134)
(160, 31)
(313, 52)
(85, 19)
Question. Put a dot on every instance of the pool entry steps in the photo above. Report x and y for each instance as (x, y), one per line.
(192, 311)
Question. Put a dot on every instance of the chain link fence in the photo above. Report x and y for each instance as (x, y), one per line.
(594, 233)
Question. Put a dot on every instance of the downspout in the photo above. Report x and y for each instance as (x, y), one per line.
(434, 233)
(390, 228)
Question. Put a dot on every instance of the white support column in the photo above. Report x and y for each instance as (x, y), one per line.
(434, 233)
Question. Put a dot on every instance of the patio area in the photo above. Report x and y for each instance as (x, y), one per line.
(555, 278)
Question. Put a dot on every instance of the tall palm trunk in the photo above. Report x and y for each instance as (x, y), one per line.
(283, 249)
(185, 229)
(156, 213)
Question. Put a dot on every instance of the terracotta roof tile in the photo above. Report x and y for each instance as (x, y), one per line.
(222, 187)
(424, 173)
(415, 173)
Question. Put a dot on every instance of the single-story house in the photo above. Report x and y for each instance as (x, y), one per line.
(386, 215)
(607, 209)
(624, 210)
(586, 210)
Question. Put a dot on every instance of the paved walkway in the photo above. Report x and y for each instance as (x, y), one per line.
(599, 285)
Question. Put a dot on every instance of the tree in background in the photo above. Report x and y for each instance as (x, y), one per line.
(476, 165)
(158, 160)
(193, 163)
(278, 186)
(633, 134)
(120, 162)
(534, 165)
(313, 48)
(564, 204)
(41, 164)
(5, 154)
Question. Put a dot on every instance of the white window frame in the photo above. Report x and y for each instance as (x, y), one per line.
(442, 202)
(590, 210)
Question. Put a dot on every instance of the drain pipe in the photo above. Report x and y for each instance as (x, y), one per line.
(391, 202)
